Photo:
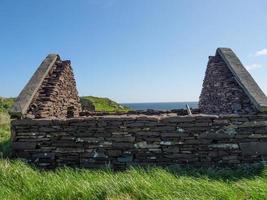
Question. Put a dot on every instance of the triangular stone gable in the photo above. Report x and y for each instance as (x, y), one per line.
(51, 92)
(229, 88)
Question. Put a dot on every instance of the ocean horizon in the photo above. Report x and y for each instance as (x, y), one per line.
(161, 105)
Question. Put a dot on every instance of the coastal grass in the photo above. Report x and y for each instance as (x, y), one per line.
(4, 140)
(6, 103)
(105, 104)
(19, 181)
(4, 118)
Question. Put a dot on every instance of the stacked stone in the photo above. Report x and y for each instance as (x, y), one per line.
(57, 97)
(87, 106)
(122, 140)
(138, 112)
(221, 93)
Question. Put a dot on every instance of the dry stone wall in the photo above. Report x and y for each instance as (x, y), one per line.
(221, 92)
(57, 97)
(50, 130)
(125, 140)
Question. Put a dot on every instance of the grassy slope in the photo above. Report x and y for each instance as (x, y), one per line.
(20, 181)
(105, 104)
(5, 104)
(4, 140)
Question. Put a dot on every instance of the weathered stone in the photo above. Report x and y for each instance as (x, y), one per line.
(125, 158)
(23, 145)
(122, 145)
(69, 150)
(144, 145)
(114, 152)
(254, 124)
(123, 139)
(254, 148)
(166, 143)
(180, 130)
(224, 146)
(227, 87)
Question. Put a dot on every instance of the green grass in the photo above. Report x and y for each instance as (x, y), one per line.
(105, 104)
(6, 103)
(4, 140)
(4, 118)
(20, 181)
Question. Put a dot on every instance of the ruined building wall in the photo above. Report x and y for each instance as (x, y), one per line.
(221, 92)
(121, 141)
(57, 97)
(236, 135)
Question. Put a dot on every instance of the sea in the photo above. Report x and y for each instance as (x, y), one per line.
(161, 105)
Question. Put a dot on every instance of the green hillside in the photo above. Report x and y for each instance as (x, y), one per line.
(105, 104)
(5, 104)
(101, 104)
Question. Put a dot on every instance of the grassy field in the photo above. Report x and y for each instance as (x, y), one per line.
(5, 104)
(21, 181)
(105, 104)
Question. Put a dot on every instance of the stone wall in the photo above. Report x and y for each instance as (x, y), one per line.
(118, 141)
(221, 92)
(57, 96)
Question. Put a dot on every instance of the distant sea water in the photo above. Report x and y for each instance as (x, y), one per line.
(160, 105)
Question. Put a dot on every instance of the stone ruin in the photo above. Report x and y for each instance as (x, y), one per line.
(51, 129)
(51, 92)
(229, 88)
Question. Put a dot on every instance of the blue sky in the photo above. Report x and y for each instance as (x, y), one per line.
(131, 50)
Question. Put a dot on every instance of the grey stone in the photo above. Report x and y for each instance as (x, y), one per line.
(125, 158)
(254, 148)
(244, 79)
(224, 146)
(26, 96)
(144, 145)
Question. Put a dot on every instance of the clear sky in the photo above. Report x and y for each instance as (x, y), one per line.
(131, 50)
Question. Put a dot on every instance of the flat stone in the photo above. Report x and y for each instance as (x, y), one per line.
(254, 124)
(123, 139)
(144, 145)
(254, 148)
(26, 96)
(125, 158)
(224, 146)
(23, 145)
(166, 143)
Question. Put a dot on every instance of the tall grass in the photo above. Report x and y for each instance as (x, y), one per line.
(4, 140)
(20, 181)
